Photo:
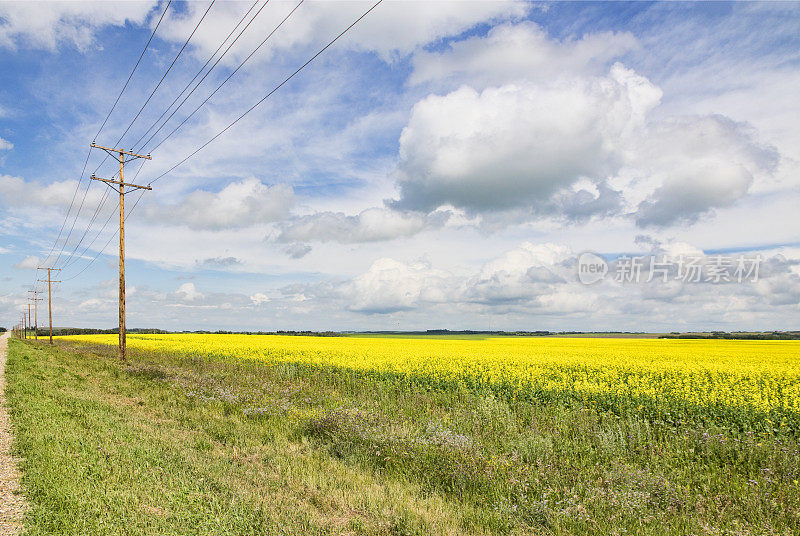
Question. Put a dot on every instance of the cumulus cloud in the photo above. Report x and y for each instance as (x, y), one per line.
(541, 279)
(520, 274)
(370, 225)
(46, 25)
(5, 145)
(29, 263)
(519, 144)
(544, 127)
(239, 204)
(699, 163)
(511, 52)
(390, 286)
(188, 292)
(259, 299)
(18, 192)
(531, 275)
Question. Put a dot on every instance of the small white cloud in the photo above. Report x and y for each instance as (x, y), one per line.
(5, 145)
(390, 286)
(18, 192)
(30, 24)
(370, 225)
(188, 292)
(31, 262)
(95, 304)
(259, 299)
(511, 52)
(240, 204)
(523, 273)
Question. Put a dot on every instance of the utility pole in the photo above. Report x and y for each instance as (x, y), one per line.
(119, 187)
(50, 296)
(36, 300)
(24, 327)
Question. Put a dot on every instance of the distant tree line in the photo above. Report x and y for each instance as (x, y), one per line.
(279, 332)
(2, 329)
(458, 332)
(763, 336)
(759, 336)
(91, 331)
(537, 333)
(154, 331)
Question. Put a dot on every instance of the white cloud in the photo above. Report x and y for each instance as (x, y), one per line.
(556, 141)
(96, 304)
(259, 299)
(524, 51)
(239, 204)
(370, 225)
(541, 280)
(520, 274)
(390, 286)
(30, 262)
(48, 24)
(519, 144)
(394, 28)
(20, 193)
(188, 292)
(697, 164)
(5, 145)
(525, 274)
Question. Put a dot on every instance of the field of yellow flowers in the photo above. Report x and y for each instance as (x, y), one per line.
(751, 384)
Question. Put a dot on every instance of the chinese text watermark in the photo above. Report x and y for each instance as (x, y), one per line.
(715, 269)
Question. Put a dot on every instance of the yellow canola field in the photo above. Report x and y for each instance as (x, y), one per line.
(732, 378)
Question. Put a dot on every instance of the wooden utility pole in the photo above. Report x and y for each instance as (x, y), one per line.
(24, 327)
(119, 187)
(50, 296)
(29, 316)
(36, 300)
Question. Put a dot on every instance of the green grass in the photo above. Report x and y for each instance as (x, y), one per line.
(167, 445)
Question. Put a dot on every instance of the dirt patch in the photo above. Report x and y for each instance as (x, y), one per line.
(12, 503)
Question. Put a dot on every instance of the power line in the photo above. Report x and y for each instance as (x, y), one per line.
(241, 20)
(103, 228)
(133, 70)
(99, 207)
(265, 97)
(130, 125)
(80, 178)
(76, 258)
(287, 79)
(74, 195)
(153, 135)
(153, 92)
(109, 240)
(85, 232)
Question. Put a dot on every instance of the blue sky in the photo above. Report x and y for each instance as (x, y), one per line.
(443, 165)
